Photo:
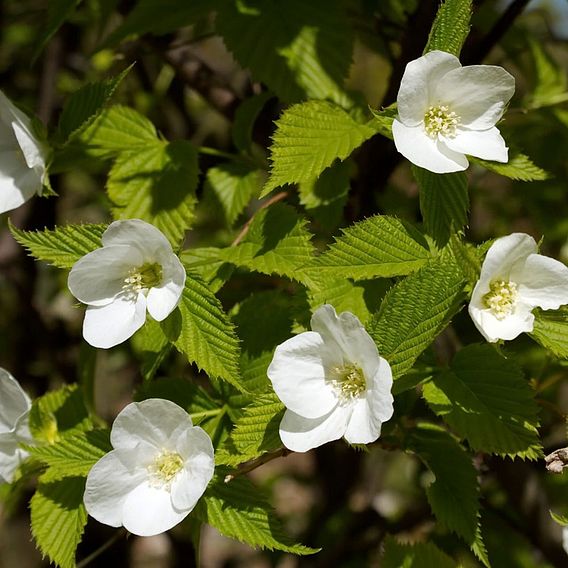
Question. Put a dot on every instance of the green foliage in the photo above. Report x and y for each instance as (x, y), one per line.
(519, 167)
(415, 311)
(58, 519)
(451, 27)
(309, 137)
(62, 246)
(57, 12)
(239, 510)
(551, 84)
(486, 400)
(380, 246)
(245, 117)
(551, 330)
(202, 331)
(299, 49)
(444, 203)
(421, 555)
(152, 347)
(208, 264)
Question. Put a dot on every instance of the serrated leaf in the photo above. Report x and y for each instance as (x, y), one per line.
(519, 167)
(444, 203)
(299, 49)
(415, 311)
(451, 27)
(201, 330)
(486, 400)
(58, 519)
(380, 246)
(86, 104)
(152, 346)
(551, 83)
(208, 264)
(57, 12)
(277, 242)
(62, 246)
(240, 510)
(551, 330)
(421, 555)
(309, 137)
(245, 117)
(231, 187)
(157, 184)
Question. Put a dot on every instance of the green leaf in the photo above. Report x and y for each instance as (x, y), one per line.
(240, 510)
(298, 49)
(551, 83)
(58, 519)
(453, 495)
(277, 242)
(444, 203)
(157, 184)
(232, 187)
(152, 346)
(245, 117)
(486, 400)
(57, 12)
(208, 264)
(415, 311)
(309, 137)
(380, 246)
(421, 555)
(551, 330)
(451, 27)
(519, 167)
(86, 104)
(62, 246)
(201, 330)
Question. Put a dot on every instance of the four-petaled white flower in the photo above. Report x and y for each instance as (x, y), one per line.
(22, 157)
(446, 111)
(159, 468)
(135, 269)
(333, 383)
(514, 280)
(14, 412)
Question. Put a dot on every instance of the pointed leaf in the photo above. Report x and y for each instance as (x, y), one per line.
(519, 167)
(451, 27)
(421, 555)
(551, 330)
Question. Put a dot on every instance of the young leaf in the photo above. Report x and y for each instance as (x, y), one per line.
(201, 330)
(58, 519)
(420, 555)
(152, 347)
(551, 83)
(239, 510)
(208, 264)
(380, 246)
(299, 49)
(62, 246)
(444, 202)
(451, 27)
(157, 184)
(245, 117)
(551, 330)
(309, 137)
(486, 400)
(519, 167)
(57, 12)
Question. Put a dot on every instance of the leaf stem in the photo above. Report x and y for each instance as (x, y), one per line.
(94, 555)
(280, 453)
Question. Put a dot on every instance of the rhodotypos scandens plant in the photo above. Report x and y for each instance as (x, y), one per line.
(514, 280)
(22, 157)
(446, 111)
(14, 412)
(134, 270)
(333, 382)
(157, 471)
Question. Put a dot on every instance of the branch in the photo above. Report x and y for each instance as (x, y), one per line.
(280, 453)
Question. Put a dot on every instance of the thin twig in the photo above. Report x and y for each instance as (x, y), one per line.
(115, 538)
(280, 453)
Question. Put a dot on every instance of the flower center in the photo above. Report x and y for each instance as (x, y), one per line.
(142, 278)
(164, 468)
(501, 298)
(348, 381)
(441, 120)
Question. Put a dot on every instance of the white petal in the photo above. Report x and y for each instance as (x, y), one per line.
(493, 329)
(544, 282)
(34, 152)
(135, 232)
(478, 94)
(484, 144)
(108, 484)
(363, 426)
(153, 420)
(149, 511)
(378, 395)
(301, 434)
(10, 458)
(107, 326)
(14, 402)
(415, 145)
(297, 374)
(18, 183)
(98, 277)
(163, 299)
(418, 82)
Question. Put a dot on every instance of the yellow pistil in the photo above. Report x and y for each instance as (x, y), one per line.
(348, 381)
(142, 278)
(440, 120)
(501, 298)
(164, 468)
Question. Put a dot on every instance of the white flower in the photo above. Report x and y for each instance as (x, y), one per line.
(333, 383)
(514, 280)
(446, 111)
(135, 269)
(22, 157)
(565, 539)
(159, 468)
(14, 412)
